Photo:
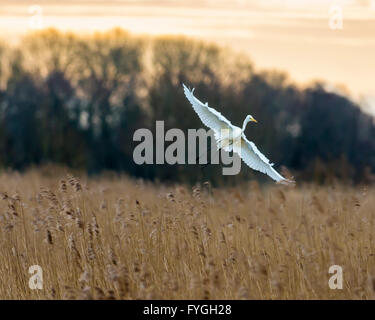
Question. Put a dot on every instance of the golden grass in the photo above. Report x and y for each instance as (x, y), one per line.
(118, 238)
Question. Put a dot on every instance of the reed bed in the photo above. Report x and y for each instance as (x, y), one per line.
(113, 237)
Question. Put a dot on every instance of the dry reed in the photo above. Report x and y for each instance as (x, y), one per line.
(118, 238)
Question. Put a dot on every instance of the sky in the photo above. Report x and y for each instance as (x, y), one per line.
(312, 40)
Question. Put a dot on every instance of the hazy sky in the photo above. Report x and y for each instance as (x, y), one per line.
(290, 35)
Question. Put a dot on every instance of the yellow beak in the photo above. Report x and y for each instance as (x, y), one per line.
(252, 119)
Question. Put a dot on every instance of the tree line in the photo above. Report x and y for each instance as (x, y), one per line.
(77, 100)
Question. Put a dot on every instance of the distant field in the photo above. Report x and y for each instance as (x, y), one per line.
(117, 238)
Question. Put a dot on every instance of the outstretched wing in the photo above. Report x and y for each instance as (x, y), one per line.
(258, 161)
(248, 150)
(209, 116)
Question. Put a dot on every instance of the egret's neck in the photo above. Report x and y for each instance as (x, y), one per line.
(245, 122)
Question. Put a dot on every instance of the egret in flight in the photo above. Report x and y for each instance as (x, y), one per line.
(232, 138)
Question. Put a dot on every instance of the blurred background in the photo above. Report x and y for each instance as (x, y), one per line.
(77, 78)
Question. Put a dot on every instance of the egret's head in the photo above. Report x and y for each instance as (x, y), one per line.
(250, 118)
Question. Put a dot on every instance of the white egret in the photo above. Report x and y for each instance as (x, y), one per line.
(232, 138)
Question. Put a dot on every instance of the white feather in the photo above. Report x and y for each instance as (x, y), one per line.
(246, 149)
